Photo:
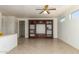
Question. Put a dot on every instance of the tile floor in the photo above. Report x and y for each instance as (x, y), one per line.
(43, 46)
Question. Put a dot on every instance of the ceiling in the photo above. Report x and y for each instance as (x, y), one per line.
(30, 11)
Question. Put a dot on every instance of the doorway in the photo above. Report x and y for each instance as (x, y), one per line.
(22, 29)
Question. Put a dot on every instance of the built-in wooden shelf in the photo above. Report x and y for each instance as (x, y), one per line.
(48, 29)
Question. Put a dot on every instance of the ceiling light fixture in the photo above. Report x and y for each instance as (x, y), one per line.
(45, 12)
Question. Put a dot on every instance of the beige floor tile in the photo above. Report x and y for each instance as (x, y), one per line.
(43, 46)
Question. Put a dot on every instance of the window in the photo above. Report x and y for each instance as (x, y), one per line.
(75, 15)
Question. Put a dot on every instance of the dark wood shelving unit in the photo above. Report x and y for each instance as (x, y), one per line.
(48, 28)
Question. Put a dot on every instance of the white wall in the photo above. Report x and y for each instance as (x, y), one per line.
(26, 25)
(0, 22)
(68, 30)
(55, 28)
(8, 24)
(26, 28)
